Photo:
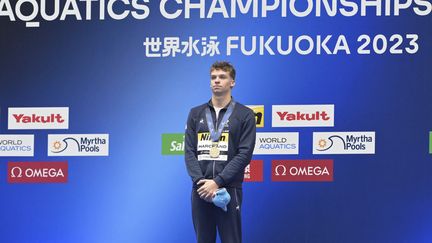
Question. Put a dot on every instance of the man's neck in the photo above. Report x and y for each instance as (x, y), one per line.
(221, 101)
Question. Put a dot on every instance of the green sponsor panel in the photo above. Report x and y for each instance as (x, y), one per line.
(172, 143)
(430, 142)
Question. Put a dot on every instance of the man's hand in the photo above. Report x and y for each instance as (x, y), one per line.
(207, 190)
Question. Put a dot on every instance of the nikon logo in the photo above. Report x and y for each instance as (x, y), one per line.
(205, 136)
(259, 114)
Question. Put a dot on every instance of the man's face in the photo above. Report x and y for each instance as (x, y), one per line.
(221, 82)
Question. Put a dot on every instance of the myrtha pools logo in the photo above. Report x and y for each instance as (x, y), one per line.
(78, 145)
(344, 143)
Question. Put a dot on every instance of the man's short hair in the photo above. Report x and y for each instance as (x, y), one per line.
(225, 66)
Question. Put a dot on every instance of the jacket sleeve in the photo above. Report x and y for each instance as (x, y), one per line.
(192, 163)
(244, 154)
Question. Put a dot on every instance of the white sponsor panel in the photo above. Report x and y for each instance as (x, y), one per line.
(277, 143)
(302, 115)
(16, 145)
(38, 118)
(78, 144)
(344, 142)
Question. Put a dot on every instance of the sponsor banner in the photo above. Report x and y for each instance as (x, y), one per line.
(38, 118)
(302, 170)
(302, 115)
(173, 143)
(16, 145)
(37, 172)
(254, 171)
(78, 144)
(430, 142)
(259, 114)
(344, 143)
(205, 144)
(276, 143)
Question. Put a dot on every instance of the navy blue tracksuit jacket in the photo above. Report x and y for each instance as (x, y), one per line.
(241, 128)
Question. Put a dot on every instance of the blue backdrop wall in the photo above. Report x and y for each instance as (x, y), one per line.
(101, 71)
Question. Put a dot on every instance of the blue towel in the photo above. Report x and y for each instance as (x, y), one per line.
(221, 198)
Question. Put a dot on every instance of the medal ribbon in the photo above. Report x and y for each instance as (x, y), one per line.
(215, 135)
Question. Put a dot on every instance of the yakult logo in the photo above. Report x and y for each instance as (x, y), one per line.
(37, 172)
(78, 145)
(38, 118)
(303, 115)
(344, 143)
(302, 170)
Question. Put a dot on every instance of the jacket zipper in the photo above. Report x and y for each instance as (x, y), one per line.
(213, 168)
(216, 127)
(238, 206)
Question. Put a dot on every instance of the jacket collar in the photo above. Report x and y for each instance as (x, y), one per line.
(210, 104)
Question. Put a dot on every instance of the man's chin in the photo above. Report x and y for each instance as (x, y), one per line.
(218, 92)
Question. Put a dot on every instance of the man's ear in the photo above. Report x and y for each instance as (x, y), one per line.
(232, 83)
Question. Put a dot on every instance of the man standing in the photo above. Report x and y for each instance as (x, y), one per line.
(219, 142)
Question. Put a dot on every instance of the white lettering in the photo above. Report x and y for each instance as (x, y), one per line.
(167, 15)
(68, 11)
(8, 12)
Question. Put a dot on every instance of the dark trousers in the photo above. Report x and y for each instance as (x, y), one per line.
(207, 218)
